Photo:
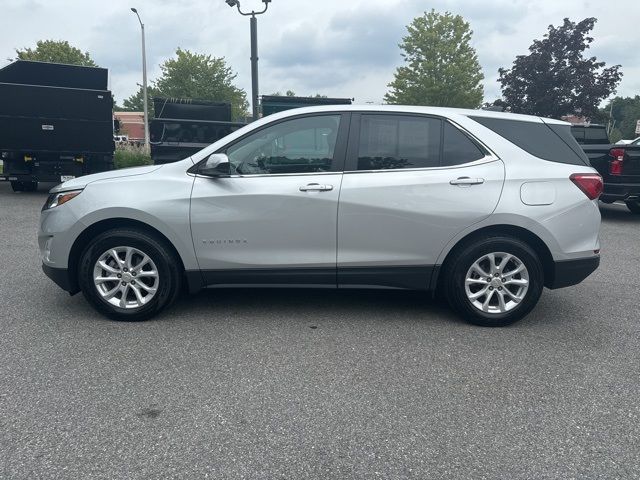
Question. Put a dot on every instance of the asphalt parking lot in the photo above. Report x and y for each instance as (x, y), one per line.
(317, 384)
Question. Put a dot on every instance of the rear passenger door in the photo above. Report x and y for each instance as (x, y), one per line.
(411, 183)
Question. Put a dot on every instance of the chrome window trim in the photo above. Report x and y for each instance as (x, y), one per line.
(481, 161)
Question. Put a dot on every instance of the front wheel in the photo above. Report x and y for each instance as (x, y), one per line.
(494, 281)
(633, 205)
(129, 275)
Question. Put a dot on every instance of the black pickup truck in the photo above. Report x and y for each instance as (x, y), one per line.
(619, 165)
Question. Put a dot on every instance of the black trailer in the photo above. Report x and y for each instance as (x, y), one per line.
(56, 123)
(275, 103)
(182, 127)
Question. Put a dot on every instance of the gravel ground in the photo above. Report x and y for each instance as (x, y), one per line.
(295, 384)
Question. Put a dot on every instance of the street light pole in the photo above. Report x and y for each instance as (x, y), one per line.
(144, 83)
(253, 24)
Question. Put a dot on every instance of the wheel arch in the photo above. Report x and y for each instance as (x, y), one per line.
(101, 226)
(520, 233)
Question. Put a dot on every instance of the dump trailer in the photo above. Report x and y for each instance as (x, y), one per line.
(271, 104)
(182, 127)
(56, 123)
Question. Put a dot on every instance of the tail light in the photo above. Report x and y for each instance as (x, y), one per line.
(615, 165)
(590, 184)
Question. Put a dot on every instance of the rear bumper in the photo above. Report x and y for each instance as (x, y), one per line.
(572, 272)
(620, 191)
(61, 277)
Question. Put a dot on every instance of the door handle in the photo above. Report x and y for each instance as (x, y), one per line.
(467, 181)
(316, 187)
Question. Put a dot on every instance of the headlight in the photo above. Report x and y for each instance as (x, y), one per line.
(57, 199)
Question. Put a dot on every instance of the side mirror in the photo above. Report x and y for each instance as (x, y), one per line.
(217, 165)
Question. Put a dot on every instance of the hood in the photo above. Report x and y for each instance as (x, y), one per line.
(82, 182)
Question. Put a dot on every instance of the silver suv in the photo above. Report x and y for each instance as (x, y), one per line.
(487, 208)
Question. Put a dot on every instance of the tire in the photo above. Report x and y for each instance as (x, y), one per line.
(19, 186)
(463, 281)
(633, 206)
(145, 294)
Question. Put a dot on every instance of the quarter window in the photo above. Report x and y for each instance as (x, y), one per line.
(458, 148)
(396, 141)
(300, 145)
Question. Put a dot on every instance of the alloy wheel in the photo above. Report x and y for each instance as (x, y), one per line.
(126, 277)
(497, 283)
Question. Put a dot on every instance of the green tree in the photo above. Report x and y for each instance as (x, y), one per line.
(135, 103)
(555, 79)
(441, 67)
(195, 76)
(55, 51)
(623, 117)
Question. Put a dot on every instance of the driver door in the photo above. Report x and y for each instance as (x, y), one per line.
(273, 220)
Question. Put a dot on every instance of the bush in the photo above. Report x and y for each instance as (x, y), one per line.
(131, 156)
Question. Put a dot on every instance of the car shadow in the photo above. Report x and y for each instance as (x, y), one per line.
(314, 304)
(618, 212)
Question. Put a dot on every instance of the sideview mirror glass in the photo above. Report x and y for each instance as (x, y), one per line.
(217, 165)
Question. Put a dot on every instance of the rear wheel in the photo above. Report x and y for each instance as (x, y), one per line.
(633, 205)
(494, 281)
(17, 186)
(129, 275)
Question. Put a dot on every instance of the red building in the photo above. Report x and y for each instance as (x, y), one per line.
(131, 124)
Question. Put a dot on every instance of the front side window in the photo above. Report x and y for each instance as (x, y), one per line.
(398, 141)
(300, 145)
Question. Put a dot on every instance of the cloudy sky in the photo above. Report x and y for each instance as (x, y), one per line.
(343, 48)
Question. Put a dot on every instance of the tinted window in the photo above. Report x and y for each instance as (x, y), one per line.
(564, 132)
(300, 145)
(458, 148)
(538, 139)
(578, 134)
(596, 135)
(395, 141)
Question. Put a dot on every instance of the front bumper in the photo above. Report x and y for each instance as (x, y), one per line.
(61, 278)
(572, 272)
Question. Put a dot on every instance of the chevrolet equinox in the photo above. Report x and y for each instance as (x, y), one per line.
(486, 207)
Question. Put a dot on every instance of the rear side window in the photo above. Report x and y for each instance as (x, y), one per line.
(458, 148)
(398, 141)
(554, 144)
(564, 132)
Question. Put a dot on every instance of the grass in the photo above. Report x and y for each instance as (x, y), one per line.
(131, 156)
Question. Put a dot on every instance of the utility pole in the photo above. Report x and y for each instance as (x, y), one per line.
(253, 24)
